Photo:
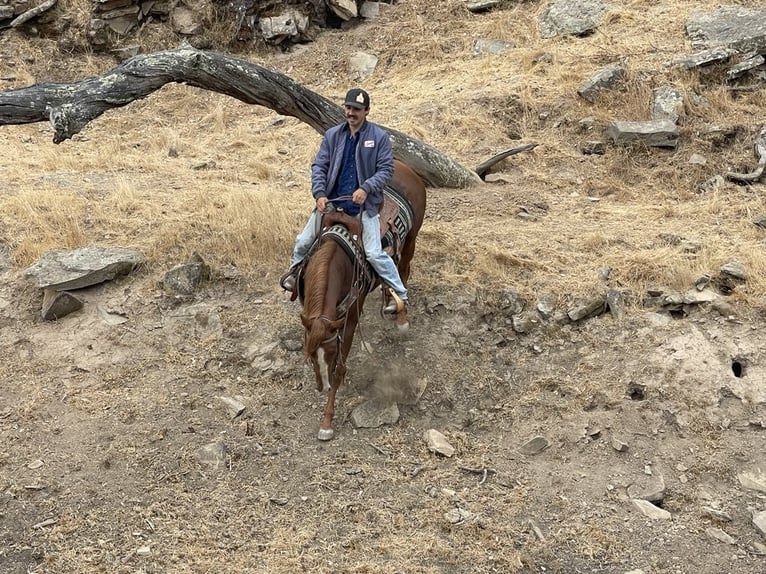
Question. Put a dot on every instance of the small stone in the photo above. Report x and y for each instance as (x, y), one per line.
(755, 480)
(534, 446)
(650, 510)
(143, 551)
(458, 515)
(720, 535)
(759, 521)
(618, 445)
(438, 443)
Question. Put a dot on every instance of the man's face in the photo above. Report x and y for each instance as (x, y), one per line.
(355, 117)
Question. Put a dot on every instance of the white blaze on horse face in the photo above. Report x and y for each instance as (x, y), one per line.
(324, 369)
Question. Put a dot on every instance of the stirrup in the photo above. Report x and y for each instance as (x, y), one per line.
(396, 306)
(288, 281)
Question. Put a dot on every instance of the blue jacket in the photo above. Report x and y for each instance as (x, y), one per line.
(374, 163)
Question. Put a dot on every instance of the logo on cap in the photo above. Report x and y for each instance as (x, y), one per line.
(360, 98)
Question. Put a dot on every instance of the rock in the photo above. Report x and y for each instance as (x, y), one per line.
(667, 103)
(291, 24)
(184, 21)
(720, 535)
(345, 9)
(546, 305)
(650, 510)
(697, 159)
(57, 304)
(605, 78)
(734, 269)
(655, 493)
(704, 58)
(760, 221)
(743, 29)
(534, 446)
(476, 6)
(618, 445)
(492, 47)
(759, 521)
(65, 269)
(437, 442)
(185, 279)
(458, 516)
(715, 514)
(615, 302)
(595, 306)
(212, 455)
(362, 65)
(653, 133)
(233, 406)
(753, 480)
(375, 413)
(369, 10)
(566, 17)
(525, 322)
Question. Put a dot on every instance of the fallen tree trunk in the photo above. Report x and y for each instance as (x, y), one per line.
(71, 106)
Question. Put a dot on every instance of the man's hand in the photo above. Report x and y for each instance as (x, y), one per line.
(359, 196)
(322, 205)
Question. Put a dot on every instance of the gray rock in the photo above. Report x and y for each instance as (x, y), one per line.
(57, 304)
(590, 308)
(185, 279)
(575, 18)
(715, 514)
(650, 510)
(369, 10)
(67, 269)
(345, 9)
(753, 480)
(615, 301)
(760, 220)
(745, 65)
(720, 535)
(704, 58)
(289, 25)
(362, 65)
(667, 103)
(654, 133)
(233, 407)
(534, 446)
(375, 413)
(759, 521)
(481, 5)
(212, 455)
(525, 322)
(438, 443)
(734, 269)
(741, 28)
(492, 47)
(546, 305)
(604, 79)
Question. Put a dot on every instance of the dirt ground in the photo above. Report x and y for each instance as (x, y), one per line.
(104, 412)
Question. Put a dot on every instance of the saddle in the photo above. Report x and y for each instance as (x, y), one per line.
(396, 220)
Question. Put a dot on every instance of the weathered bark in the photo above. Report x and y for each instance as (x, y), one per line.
(759, 147)
(71, 106)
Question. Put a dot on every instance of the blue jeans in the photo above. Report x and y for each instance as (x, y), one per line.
(381, 261)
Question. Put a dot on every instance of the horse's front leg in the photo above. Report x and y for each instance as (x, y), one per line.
(325, 429)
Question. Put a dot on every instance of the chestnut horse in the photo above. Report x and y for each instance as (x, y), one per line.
(334, 289)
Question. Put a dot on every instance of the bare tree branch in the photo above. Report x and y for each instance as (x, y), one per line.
(71, 106)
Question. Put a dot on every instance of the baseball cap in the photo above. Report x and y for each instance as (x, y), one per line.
(357, 98)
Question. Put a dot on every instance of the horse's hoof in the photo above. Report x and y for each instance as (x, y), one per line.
(403, 327)
(325, 434)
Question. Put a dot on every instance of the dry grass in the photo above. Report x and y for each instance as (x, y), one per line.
(134, 175)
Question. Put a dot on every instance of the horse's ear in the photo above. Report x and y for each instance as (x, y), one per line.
(306, 322)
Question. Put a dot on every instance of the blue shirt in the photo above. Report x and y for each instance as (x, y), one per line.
(347, 182)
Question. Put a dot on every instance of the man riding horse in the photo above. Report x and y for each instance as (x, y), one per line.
(354, 164)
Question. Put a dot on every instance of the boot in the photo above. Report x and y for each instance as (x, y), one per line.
(395, 304)
(287, 282)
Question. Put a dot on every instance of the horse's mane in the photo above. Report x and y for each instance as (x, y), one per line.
(315, 285)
